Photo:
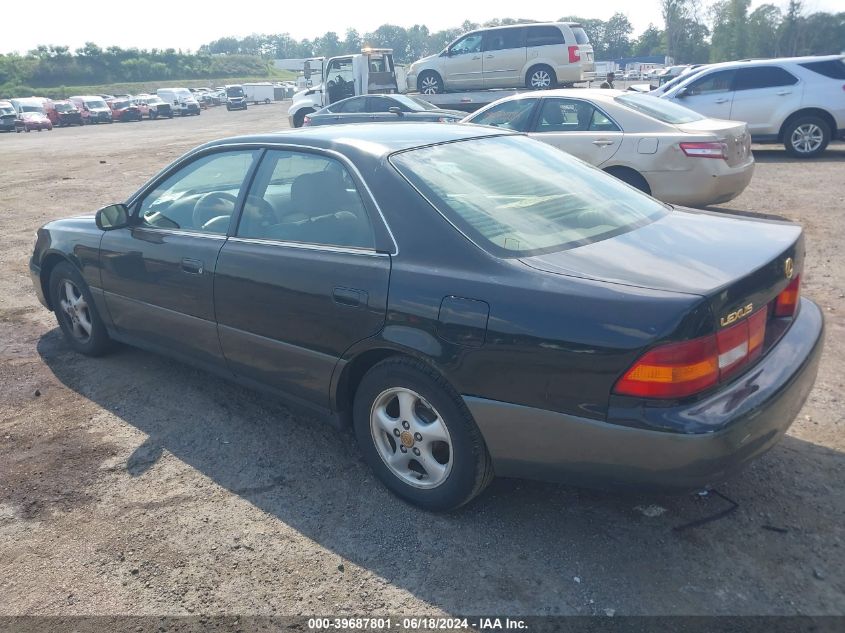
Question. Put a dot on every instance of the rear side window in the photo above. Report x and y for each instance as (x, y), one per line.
(511, 115)
(502, 39)
(580, 35)
(763, 77)
(544, 36)
(573, 115)
(833, 68)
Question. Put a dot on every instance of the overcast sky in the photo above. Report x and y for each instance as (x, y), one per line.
(187, 25)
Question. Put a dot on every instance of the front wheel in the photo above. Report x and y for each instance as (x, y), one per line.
(806, 136)
(418, 436)
(75, 311)
(429, 83)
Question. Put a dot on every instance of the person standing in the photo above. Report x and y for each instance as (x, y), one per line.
(608, 83)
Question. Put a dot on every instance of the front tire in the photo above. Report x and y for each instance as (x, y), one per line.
(429, 83)
(418, 436)
(540, 78)
(76, 312)
(806, 136)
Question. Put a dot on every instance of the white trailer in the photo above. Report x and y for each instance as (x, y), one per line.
(261, 92)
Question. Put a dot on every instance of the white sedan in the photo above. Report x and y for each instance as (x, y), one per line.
(668, 151)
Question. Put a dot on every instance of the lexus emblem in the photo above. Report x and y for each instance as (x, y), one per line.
(788, 268)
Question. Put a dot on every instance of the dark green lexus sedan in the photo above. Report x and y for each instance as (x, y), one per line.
(474, 303)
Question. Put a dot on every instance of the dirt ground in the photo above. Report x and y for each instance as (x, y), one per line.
(133, 484)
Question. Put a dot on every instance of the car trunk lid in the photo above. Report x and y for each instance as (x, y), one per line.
(732, 261)
(733, 134)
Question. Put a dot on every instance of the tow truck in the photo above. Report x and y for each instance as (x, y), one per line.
(372, 71)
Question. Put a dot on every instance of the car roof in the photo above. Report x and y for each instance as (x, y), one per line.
(373, 139)
(773, 61)
(595, 94)
(511, 26)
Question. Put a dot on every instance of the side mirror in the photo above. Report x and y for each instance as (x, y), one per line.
(395, 110)
(114, 216)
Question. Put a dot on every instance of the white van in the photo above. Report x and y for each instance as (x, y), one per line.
(537, 56)
(182, 100)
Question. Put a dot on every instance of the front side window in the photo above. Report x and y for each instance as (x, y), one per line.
(721, 81)
(201, 196)
(511, 115)
(763, 77)
(502, 39)
(469, 44)
(308, 198)
(517, 197)
(543, 36)
(573, 115)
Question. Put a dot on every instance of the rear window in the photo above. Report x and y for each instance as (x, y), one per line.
(659, 109)
(833, 68)
(544, 36)
(515, 197)
(580, 35)
(757, 77)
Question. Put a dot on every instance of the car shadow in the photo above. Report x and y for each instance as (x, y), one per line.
(835, 153)
(522, 547)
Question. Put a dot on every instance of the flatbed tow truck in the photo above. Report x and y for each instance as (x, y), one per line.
(372, 71)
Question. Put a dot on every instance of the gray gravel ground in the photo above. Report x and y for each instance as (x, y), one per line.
(133, 484)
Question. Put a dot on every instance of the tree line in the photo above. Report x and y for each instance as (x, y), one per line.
(727, 30)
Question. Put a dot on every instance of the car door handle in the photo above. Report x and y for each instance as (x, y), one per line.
(490, 56)
(476, 57)
(784, 92)
(349, 297)
(722, 100)
(192, 266)
(602, 142)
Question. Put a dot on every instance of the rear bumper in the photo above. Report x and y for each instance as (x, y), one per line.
(708, 182)
(746, 419)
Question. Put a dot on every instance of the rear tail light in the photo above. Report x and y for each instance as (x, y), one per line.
(677, 370)
(705, 150)
(574, 54)
(787, 300)
(306, 121)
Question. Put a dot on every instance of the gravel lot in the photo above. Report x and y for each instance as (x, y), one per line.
(133, 484)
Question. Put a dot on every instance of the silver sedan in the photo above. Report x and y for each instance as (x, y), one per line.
(668, 151)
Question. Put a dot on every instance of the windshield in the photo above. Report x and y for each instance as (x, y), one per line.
(95, 103)
(415, 102)
(31, 107)
(65, 107)
(659, 109)
(119, 105)
(7, 110)
(514, 196)
(235, 91)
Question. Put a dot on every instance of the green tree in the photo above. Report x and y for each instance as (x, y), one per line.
(650, 42)
(762, 31)
(730, 30)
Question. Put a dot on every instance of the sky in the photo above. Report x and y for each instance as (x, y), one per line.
(188, 25)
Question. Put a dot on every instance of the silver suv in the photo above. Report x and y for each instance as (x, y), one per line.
(797, 101)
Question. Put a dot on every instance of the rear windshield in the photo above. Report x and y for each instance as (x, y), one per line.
(833, 68)
(659, 109)
(514, 196)
(580, 35)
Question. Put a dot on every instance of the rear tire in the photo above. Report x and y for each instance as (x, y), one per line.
(403, 403)
(429, 83)
(806, 136)
(76, 312)
(540, 77)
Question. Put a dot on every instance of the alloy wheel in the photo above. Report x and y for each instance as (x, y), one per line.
(411, 438)
(429, 85)
(541, 79)
(807, 138)
(75, 310)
